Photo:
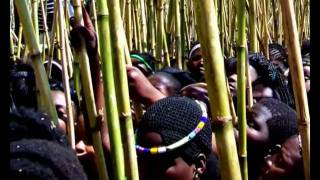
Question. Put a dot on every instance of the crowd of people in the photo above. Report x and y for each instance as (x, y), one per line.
(174, 137)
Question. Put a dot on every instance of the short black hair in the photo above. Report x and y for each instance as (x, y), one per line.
(182, 76)
(173, 82)
(43, 159)
(283, 123)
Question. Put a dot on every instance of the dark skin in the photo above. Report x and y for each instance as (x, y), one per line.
(141, 90)
(162, 83)
(168, 166)
(259, 90)
(283, 163)
(92, 49)
(195, 65)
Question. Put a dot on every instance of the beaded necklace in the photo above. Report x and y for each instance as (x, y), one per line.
(181, 142)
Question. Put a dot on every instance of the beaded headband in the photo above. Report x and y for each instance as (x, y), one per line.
(197, 46)
(136, 56)
(181, 142)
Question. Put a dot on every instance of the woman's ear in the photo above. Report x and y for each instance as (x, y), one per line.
(200, 163)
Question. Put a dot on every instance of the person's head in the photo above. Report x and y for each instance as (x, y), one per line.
(306, 71)
(195, 62)
(26, 123)
(59, 100)
(164, 82)
(284, 161)
(278, 56)
(143, 61)
(270, 123)
(266, 79)
(182, 76)
(23, 85)
(282, 122)
(197, 91)
(231, 72)
(43, 159)
(174, 139)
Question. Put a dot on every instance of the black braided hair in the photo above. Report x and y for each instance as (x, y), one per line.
(174, 118)
(27, 123)
(40, 159)
(277, 52)
(284, 121)
(272, 77)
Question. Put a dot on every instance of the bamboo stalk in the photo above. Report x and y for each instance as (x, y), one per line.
(128, 24)
(77, 7)
(123, 7)
(143, 27)
(151, 27)
(217, 89)
(32, 44)
(34, 15)
(122, 93)
(65, 77)
(134, 31)
(183, 33)
(178, 36)
(44, 17)
(108, 79)
(83, 58)
(248, 83)
(94, 21)
(253, 32)
(137, 25)
(165, 50)
(170, 19)
(19, 41)
(160, 33)
(296, 71)
(241, 87)
(12, 48)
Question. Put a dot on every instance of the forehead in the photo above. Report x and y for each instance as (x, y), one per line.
(58, 98)
(150, 139)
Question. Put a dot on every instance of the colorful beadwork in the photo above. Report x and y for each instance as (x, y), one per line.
(181, 142)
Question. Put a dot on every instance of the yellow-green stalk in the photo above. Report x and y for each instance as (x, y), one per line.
(297, 76)
(34, 14)
(143, 27)
(253, 24)
(112, 114)
(178, 34)
(122, 92)
(82, 56)
(77, 8)
(44, 17)
(128, 24)
(160, 33)
(12, 48)
(151, 28)
(241, 87)
(94, 21)
(34, 49)
(208, 33)
(65, 77)
(19, 41)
